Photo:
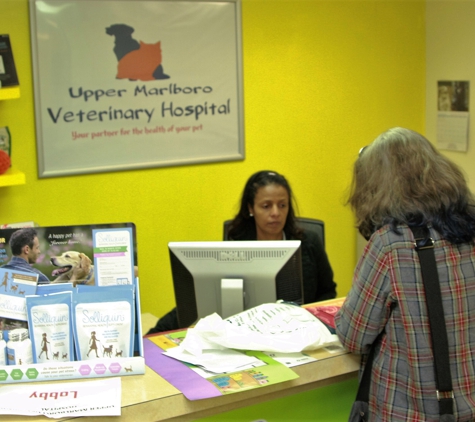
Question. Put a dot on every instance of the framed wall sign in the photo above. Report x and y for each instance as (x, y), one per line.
(127, 84)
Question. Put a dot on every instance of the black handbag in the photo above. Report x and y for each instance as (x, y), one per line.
(425, 249)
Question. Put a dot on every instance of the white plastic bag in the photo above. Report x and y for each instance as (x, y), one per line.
(272, 327)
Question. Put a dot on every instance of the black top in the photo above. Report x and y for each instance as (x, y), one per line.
(318, 281)
(317, 273)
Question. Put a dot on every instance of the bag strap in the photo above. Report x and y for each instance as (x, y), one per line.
(363, 388)
(425, 249)
(424, 246)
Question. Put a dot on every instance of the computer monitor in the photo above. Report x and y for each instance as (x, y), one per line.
(228, 277)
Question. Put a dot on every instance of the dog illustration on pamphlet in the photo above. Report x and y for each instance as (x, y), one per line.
(107, 351)
(136, 60)
(93, 346)
(13, 283)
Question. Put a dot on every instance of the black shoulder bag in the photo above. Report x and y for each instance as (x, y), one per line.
(425, 249)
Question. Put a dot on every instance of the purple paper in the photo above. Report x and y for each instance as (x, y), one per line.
(192, 385)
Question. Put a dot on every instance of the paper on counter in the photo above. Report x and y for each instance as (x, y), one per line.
(291, 359)
(272, 327)
(216, 361)
(59, 400)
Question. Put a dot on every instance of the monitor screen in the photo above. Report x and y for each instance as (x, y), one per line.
(228, 277)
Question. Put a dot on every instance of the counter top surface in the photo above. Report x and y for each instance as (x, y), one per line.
(154, 399)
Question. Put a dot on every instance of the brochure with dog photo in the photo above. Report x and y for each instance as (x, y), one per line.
(14, 287)
(91, 255)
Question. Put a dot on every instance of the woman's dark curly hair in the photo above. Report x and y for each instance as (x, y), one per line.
(243, 226)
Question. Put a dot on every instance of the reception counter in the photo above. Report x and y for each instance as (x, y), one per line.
(149, 397)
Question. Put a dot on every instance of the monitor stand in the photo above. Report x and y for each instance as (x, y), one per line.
(232, 296)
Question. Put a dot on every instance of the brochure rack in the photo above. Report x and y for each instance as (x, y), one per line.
(97, 368)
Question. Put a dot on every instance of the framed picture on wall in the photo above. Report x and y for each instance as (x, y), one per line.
(129, 84)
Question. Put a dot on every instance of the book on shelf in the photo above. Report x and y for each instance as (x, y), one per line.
(19, 225)
(5, 140)
(8, 73)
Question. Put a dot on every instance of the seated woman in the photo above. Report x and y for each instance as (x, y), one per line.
(267, 213)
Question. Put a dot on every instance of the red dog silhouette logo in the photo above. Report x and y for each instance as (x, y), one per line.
(136, 60)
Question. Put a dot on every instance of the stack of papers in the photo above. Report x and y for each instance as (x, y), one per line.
(217, 361)
(214, 344)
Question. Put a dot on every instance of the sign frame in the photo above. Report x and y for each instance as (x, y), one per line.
(93, 112)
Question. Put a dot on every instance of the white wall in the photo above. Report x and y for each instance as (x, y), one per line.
(450, 55)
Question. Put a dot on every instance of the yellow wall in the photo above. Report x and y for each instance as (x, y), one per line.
(321, 79)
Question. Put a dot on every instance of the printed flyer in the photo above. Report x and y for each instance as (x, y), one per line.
(82, 255)
(91, 398)
(14, 287)
(196, 385)
(113, 256)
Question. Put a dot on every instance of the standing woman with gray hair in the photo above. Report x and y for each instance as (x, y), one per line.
(400, 181)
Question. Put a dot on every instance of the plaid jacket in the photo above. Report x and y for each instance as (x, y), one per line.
(388, 294)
